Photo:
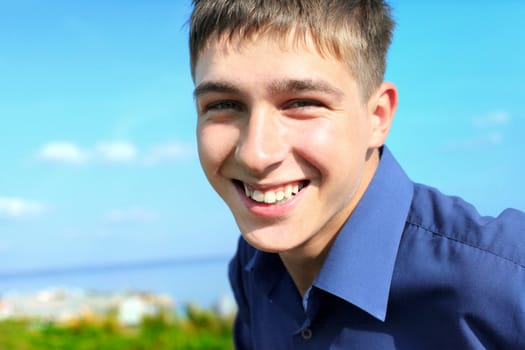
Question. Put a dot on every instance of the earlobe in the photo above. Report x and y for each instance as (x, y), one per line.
(382, 107)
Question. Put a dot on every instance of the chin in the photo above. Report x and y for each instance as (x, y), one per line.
(271, 241)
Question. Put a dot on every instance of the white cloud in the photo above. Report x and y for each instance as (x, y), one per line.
(487, 131)
(131, 215)
(16, 208)
(476, 142)
(63, 152)
(491, 120)
(167, 152)
(113, 152)
(116, 152)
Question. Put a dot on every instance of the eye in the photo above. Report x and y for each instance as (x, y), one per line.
(223, 105)
(303, 104)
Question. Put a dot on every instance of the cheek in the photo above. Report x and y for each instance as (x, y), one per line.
(215, 143)
(322, 145)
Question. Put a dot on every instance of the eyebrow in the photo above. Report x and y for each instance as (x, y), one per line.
(214, 86)
(275, 87)
(303, 85)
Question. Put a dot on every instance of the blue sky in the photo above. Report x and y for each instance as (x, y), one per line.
(97, 139)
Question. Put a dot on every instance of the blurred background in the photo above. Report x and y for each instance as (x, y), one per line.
(100, 183)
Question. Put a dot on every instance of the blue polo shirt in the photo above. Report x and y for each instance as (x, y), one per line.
(410, 269)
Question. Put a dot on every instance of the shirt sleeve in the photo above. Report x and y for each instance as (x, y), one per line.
(241, 328)
(520, 321)
(494, 317)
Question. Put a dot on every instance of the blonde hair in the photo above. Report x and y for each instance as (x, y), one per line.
(357, 32)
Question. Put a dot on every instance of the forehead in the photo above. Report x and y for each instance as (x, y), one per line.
(265, 56)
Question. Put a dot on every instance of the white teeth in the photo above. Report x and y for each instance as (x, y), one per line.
(288, 191)
(258, 196)
(271, 197)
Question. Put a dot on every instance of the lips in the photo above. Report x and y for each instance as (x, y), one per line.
(274, 195)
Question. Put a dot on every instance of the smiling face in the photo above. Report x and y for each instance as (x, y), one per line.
(285, 139)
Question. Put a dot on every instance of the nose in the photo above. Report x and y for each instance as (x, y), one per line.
(261, 145)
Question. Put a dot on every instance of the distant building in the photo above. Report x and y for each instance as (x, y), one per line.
(132, 309)
(225, 306)
(64, 305)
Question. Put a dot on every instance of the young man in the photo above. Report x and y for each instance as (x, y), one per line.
(339, 248)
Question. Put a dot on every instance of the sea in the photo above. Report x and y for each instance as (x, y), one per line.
(202, 282)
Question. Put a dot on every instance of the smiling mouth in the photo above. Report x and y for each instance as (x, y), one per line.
(272, 196)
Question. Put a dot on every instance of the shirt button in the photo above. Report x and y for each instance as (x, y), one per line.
(306, 334)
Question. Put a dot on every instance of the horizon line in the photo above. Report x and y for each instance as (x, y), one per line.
(114, 266)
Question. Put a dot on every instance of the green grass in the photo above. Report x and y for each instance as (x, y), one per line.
(198, 329)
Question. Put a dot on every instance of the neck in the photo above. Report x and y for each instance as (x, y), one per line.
(304, 268)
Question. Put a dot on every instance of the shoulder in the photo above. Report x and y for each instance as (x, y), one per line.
(464, 265)
(456, 221)
(240, 265)
(236, 275)
(244, 253)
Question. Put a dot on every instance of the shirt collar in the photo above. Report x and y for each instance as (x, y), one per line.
(360, 264)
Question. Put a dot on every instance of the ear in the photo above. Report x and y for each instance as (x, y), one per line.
(382, 107)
